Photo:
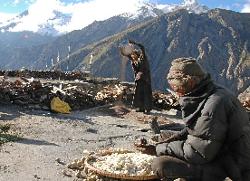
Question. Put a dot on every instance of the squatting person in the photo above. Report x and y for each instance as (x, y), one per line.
(215, 142)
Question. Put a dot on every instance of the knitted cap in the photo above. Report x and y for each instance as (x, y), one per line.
(182, 67)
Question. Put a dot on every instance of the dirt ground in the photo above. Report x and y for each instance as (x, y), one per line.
(50, 141)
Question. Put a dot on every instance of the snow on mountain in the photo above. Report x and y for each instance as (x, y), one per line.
(154, 10)
(12, 22)
(56, 22)
(51, 25)
(191, 5)
(144, 10)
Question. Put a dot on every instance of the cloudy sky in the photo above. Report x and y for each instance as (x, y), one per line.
(86, 11)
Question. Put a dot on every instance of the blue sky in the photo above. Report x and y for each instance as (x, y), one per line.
(18, 6)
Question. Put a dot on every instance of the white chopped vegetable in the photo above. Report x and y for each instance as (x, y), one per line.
(133, 164)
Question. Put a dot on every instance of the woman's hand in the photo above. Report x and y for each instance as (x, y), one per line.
(138, 76)
(147, 149)
(144, 147)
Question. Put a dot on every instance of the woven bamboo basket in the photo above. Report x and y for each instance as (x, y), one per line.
(90, 160)
(127, 49)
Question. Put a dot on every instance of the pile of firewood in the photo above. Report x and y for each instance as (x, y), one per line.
(46, 74)
(23, 93)
(37, 93)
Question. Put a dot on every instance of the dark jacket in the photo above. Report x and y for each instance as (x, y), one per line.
(216, 126)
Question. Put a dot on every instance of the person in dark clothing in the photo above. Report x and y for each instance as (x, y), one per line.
(215, 142)
(142, 99)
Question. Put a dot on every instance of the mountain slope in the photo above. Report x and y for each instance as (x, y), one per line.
(23, 39)
(48, 51)
(219, 40)
(20, 49)
(80, 38)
